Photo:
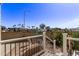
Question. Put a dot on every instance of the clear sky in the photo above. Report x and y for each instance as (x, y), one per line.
(51, 14)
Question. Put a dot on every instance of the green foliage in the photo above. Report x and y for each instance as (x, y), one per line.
(56, 35)
(76, 45)
(75, 34)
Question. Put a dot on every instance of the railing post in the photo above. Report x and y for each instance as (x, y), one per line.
(0, 49)
(64, 43)
(54, 44)
(69, 43)
(0, 40)
(44, 40)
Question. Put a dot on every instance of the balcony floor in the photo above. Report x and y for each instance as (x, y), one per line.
(50, 53)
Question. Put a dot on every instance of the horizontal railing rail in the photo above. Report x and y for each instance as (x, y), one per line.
(54, 44)
(49, 39)
(37, 54)
(70, 38)
(19, 39)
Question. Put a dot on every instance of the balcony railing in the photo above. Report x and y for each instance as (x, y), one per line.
(25, 46)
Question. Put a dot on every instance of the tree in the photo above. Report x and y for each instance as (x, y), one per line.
(22, 26)
(14, 28)
(42, 26)
(66, 30)
(19, 25)
(3, 27)
(33, 27)
(48, 28)
(28, 27)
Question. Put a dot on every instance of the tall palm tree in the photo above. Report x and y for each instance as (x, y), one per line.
(19, 25)
(33, 27)
(14, 26)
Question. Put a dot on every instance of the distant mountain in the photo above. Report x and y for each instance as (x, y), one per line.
(75, 29)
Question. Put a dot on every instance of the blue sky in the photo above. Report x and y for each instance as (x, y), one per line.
(52, 14)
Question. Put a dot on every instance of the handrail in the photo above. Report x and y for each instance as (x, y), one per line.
(76, 39)
(49, 39)
(54, 44)
(18, 39)
(37, 54)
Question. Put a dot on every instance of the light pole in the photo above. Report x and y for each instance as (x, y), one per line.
(24, 18)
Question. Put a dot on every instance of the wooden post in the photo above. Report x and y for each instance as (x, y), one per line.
(64, 43)
(0, 40)
(44, 40)
(69, 43)
(54, 44)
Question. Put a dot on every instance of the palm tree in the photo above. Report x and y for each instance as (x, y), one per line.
(22, 26)
(14, 28)
(19, 25)
(33, 27)
(28, 27)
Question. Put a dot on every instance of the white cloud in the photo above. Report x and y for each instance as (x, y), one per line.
(71, 23)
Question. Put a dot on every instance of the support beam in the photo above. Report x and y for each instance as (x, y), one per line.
(65, 43)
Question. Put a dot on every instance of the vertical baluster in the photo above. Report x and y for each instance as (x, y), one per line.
(36, 44)
(5, 49)
(29, 47)
(10, 49)
(23, 48)
(19, 48)
(26, 47)
(15, 49)
(33, 45)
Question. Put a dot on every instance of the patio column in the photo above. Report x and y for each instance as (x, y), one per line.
(64, 43)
